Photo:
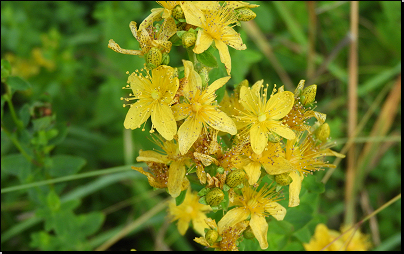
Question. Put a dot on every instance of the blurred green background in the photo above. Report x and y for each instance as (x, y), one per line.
(60, 48)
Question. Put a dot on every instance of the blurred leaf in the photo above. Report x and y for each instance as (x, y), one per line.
(16, 164)
(18, 84)
(25, 115)
(64, 165)
(299, 216)
(180, 198)
(5, 70)
(53, 201)
(90, 223)
(207, 59)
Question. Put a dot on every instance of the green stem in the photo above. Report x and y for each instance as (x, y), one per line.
(70, 178)
(17, 144)
(7, 97)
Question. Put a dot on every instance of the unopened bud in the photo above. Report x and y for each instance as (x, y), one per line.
(204, 73)
(245, 14)
(283, 179)
(154, 57)
(178, 13)
(323, 132)
(248, 233)
(235, 177)
(308, 95)
(273, 137)
(188, 39)
(165, 59)
(214, 197)
(211, 236)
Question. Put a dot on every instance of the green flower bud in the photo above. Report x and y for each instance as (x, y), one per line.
(188, 39)
(153, 57)
(211, 236)
(323, 132)
(235, 177)
(273, 137)
(245, 14)
(165, 59)
(308, 95)
(178, 13)
(283, 179)
(204, 73)
(214, 197)
(248, 233)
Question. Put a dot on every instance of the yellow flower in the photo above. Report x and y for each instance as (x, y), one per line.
(324, 236)
(189, 210)
(174, 177)
(154, 95)
(199, 112)
(272, 159)
(148, 37)
(262, 116)
(304, 156)
(215, 27)
(258, 205)
(228, 236)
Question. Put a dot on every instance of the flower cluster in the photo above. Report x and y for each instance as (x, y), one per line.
(228, 147)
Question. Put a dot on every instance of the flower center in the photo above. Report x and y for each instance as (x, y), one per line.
(262, 117)
(196, 106)
(155, 95)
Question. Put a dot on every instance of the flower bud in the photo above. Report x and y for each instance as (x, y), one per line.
(308, 95)
(211, 236)
(204, 73)
(323, 132)
(188, 39)
(178, 13)
(165, 59)
(283, 179)
(248, 233)
(245, 14)
(273, 137)
(154, 57)
(235, 178)
(214, 197)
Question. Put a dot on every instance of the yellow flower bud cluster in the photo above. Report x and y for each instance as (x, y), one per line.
(266, 134)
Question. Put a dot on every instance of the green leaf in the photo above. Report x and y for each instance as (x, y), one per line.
(16, 164)
(64, 165)
(180, 198)
(25, 114)
(90, 223)
(299, 216)
(42, 123)
(18, 84)
(44, 241)
(312, 185)
(5, 69)
(53, 201)
(220, 94)
(207, 59)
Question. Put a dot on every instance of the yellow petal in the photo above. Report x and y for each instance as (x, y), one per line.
(139, 84)
(279, 105)
(181, 111)
(224, 55)
(188, 133)
(201, 240)
(203, 42)
(283, 131)
(248, 99)
(276, 210)
(115, 47)
(279, 165)
(258, 137)
(152, 156)
(199, 223)
(216, 85)
(175, 175)
(194, 80)
(218, 120)
(232, 38)
(148, 21)
(167, 29)
(150, 178)
(163, 119)
(256, 88)
(253, 170)
(294, 188)
(239, 4)
(138, 113)
(232, 217)
(182, 226)
(193, 15)
(259, 227)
